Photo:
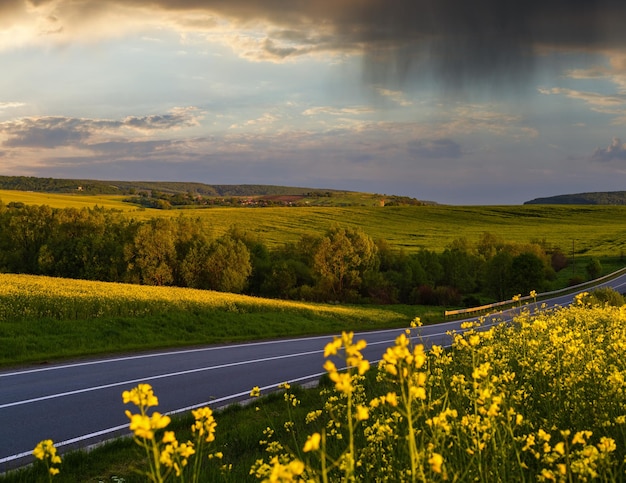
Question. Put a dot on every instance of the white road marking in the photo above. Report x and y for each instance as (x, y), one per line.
(179, 373)
(151, 378)
(183, 351)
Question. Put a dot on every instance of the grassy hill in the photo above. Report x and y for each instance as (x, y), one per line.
(169, 195)
(594, 198)
(586, 230)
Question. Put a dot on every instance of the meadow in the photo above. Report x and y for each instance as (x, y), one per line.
(541, 399)
(583, 230)
(39, 314)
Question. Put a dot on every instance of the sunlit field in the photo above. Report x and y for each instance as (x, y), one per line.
(38, 314)
(584, 230)
(65, 200)
(541, 399)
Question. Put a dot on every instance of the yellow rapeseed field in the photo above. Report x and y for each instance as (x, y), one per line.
(30, 296)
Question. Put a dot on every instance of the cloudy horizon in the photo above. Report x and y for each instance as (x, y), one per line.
(484, 103)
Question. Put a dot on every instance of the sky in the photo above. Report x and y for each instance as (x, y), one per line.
(488, 102)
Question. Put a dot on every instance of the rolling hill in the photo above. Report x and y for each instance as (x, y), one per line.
(593, 198)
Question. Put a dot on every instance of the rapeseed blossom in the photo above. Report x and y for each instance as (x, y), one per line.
(45, 451)
(205, 423)
(540, 399)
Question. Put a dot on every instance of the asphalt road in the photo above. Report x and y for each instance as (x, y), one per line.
(79, 404)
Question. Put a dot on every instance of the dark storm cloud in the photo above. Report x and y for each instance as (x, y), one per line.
(459, 41)
(456, 41)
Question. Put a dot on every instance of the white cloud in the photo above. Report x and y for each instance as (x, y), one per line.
(55, 131)
(597, 100)
(10, 105)
(616, 151)
(398, 97)
(337, 111)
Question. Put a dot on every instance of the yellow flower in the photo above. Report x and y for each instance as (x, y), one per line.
(256, 392)
(543, 435)
(46, 452)
(284, 472)
(169, 437)
(144, 426)
(607, 445)
(392, 399)
(141, 396)
(332, 347)
(581, 437)
(435, 461)
(312, 443)
(43, 449)
(205, 423)
(416, 392)
(362, 413)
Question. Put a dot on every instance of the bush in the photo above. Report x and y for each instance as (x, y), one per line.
(604, 296)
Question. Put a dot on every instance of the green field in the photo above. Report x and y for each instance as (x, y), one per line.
(587, 230)
(38, 315)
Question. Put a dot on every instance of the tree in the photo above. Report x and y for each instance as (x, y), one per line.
(228, 265)
(558, 260)
(260, 258)
(28, 230)
(431, 265)
(460, 269)
(152, 255)
(489, 245)
(527, 273)
(498, 272)
(594, 268)
(340, 259)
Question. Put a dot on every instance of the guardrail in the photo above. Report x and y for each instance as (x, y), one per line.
(573, 288)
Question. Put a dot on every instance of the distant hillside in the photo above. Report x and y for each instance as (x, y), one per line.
(168, 194)
(92, 187)
(599, 198)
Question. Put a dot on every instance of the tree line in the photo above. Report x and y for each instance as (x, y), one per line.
(343, 264)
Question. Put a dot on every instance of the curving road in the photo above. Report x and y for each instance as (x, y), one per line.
(79, 404)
